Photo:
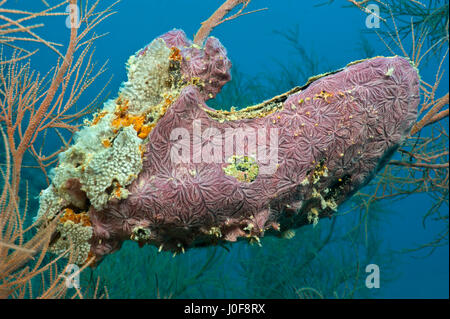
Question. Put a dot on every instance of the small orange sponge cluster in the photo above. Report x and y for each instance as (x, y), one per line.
(124, 119)
(175, 54)
(81, 218)
(98, 118)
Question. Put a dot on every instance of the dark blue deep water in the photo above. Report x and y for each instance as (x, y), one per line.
(331, 35)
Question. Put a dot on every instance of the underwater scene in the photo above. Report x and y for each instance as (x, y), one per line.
(224, 149)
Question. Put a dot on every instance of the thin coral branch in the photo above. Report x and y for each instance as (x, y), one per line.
(218, 17)
(432, 116)
(408, 164)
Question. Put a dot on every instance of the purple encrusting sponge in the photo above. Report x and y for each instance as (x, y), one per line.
(160, 167)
